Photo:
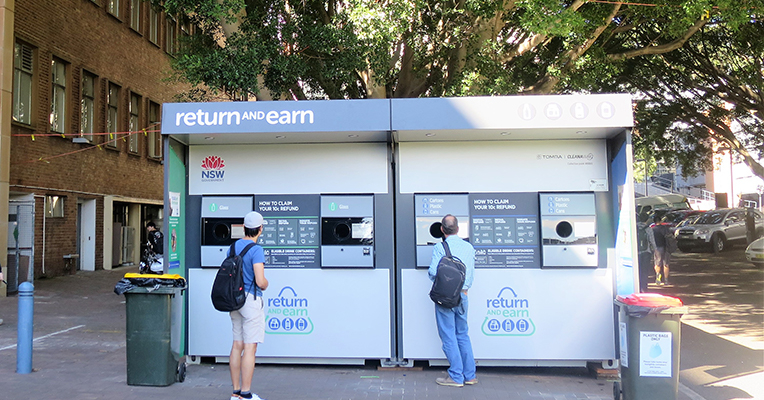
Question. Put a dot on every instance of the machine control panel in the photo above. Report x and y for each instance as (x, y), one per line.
(222, 224)
(569, 229)
(347, 231)
(503, 227)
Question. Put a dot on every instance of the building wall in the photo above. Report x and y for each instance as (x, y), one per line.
(83, 34)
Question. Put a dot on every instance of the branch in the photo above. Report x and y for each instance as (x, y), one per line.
(548, 82)
(664, 48)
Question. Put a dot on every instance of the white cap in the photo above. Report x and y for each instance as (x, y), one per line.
(253, 220)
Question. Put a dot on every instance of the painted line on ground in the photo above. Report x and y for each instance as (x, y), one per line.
(44, 337)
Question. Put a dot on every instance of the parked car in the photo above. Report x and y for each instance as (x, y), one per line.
(718, 229)
(673, 218)
(755, 252)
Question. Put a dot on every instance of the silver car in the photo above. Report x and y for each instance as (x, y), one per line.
(718, 229)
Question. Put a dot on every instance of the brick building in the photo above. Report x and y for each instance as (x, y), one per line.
(82, 83)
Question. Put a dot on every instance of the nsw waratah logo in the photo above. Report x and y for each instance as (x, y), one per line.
(212, 169)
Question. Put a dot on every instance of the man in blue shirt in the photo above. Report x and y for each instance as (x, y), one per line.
(452, 322)
(249, 321)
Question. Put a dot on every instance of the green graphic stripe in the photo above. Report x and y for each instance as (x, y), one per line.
(508, 334)
(290, 247)
(289, 333)
(307, 216)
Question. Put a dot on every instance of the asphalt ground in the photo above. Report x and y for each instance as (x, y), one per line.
(722, 345)
(79, 350)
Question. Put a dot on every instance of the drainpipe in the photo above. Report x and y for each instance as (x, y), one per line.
(7, 17)
(44, 210)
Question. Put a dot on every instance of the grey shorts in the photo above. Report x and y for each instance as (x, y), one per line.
(249, 321)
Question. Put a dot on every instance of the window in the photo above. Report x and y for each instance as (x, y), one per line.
(155, 138)
(54, 206)
(153, 24)
(185, 31)
(58, 96)
(170, 37)
(112, 118)
(135, 117)
(87, 106)
(135, 14)
(23, 70)
(113, 7)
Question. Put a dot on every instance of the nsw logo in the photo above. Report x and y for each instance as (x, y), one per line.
(287, 314)
(508, 315)
(212, 169)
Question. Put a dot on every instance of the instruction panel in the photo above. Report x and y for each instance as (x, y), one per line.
(505, 229)
(291, 230)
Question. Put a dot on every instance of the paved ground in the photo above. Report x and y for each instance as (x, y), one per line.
(722, 354)
(79, 350)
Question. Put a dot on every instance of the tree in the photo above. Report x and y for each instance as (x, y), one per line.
(410, 48)
(686, 59)
(707, 95)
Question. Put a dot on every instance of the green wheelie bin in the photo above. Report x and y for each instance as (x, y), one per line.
(153, 330)
(649, 330)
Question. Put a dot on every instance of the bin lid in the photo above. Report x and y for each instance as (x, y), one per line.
(163, 276)
(653, 300)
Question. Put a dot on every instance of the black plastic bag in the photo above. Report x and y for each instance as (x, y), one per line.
(127, 283)
(123, 286)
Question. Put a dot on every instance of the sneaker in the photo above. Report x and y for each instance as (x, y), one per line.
(659, 279)
(447, 381)
(254, 397)
(471, 381)
(235, 397)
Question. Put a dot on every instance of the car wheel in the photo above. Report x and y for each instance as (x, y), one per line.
(717, 243)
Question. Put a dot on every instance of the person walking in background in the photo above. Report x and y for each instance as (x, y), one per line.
(750, 225)
(452, 322)
(659, 241)
(155, 239)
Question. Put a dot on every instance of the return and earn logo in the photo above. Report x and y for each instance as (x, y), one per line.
(287, 314)
(508, 315)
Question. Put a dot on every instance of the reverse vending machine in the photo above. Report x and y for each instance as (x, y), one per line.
(352, 193)
(531, 181)
(327, 205)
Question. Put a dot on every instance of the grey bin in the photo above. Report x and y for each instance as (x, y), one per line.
(153, 319)
(649, 338)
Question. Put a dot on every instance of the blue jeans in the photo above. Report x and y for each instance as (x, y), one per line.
(452, 329)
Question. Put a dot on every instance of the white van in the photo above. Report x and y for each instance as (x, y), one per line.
(649, 203)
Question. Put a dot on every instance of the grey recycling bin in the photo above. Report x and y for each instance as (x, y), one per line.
(649, 329)
(153, 332)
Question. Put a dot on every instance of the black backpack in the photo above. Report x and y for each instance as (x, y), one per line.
(228, 293)
(449, 280)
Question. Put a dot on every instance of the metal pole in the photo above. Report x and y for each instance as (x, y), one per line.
(25, 328)
(645, 177)
(732, 179)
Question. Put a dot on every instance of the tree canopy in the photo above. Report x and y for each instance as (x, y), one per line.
(703, 97)
(695, 65)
